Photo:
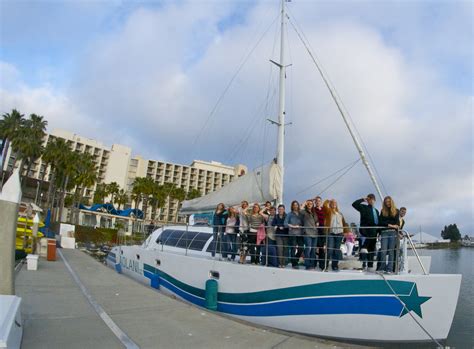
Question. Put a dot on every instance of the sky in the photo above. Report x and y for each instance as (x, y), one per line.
(191, 79)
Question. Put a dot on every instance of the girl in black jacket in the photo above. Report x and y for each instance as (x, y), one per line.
(389, 218)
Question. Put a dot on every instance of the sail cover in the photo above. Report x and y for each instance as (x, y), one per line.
(260, 185)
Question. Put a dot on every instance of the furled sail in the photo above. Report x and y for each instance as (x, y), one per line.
(260, 185)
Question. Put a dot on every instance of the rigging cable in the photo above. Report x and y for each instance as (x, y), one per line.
(329, 176)
(221, 97)
(242, 144)
(332, 89)
(409, 312)
(338, 178)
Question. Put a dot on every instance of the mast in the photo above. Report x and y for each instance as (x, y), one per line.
(281, 105)
(359, 149)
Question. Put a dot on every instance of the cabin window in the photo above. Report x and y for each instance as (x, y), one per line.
(192, 240)
(212, 246)
(186, 239)
(165, 234)
(199, 241)
(174, 238)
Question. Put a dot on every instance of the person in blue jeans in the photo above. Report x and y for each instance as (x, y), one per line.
(281, 234)
(269, 250)
(389, 218)
(335, 227)
(310, 224)
(295, 241)
(230, 235)
(218, 228)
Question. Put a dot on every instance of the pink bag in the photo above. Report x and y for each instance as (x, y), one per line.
(261, 234)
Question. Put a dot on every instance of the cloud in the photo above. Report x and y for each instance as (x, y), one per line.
(157, 76)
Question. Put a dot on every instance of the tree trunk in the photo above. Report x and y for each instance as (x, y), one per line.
(62, 198)
(73, 207)
(23, 182)
(81, 196)
(50, 189)
(20, 170)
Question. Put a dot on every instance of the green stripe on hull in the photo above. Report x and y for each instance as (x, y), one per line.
(185, 287)
(323, 289)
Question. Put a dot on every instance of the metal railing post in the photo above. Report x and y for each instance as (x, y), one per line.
(396, 254)
(186, 239)
(405, 254)
(266, 250)
(162, 242)
(220, 237)
(416, 253)
(326, 247)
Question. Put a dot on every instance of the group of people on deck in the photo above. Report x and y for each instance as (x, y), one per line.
(313, 231)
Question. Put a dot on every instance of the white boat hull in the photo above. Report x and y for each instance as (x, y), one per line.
(348, 304)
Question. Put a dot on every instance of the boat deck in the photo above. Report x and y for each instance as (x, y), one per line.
(57, 314)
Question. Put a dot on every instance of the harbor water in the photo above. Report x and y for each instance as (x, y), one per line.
(454, 261)
(458, 261)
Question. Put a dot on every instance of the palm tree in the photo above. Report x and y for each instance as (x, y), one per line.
(137, 191)
(112, 188)
(193, 194)
(68, 171)
(121, 198)
(9, 126)
(100, 194)
(158, 197)
(27, 143)
(85, 177)
(146, 187)
(54, 154)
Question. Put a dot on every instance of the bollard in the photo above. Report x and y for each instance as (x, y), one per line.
(211, 294)
(10, 198)
(51, 255)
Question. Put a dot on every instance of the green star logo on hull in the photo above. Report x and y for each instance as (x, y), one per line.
(413, 302)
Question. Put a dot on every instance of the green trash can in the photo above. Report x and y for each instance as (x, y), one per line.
(211, 294)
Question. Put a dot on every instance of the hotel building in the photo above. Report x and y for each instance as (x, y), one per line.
(117, 164)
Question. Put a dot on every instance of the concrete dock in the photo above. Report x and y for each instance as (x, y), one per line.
(57, 313)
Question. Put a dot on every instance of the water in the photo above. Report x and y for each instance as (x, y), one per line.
(458, 261)
(454, 261)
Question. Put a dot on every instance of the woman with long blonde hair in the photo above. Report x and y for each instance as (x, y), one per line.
(389, 218)
(335, 227)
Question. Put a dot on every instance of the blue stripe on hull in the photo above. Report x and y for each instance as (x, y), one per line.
(371, 305)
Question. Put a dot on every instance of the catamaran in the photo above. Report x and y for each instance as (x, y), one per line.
(408, 306)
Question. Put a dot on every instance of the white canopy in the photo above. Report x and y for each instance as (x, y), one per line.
(260, 185)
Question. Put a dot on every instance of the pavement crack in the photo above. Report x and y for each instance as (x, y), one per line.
(280, 343)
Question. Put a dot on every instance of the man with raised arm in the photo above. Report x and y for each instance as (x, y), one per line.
(369, 218)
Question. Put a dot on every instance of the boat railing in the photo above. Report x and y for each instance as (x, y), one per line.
(323, 247)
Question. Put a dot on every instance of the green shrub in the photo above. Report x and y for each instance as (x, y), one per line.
(95, 235)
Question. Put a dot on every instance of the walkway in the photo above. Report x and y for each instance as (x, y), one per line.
(56, 313)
